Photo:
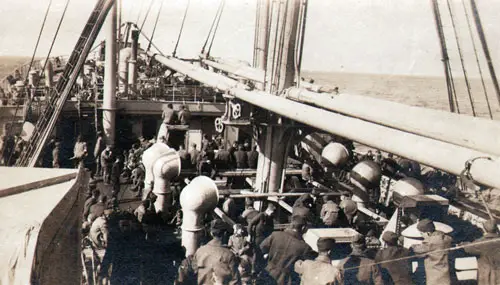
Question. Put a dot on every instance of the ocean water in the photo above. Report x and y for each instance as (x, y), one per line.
(422, 91)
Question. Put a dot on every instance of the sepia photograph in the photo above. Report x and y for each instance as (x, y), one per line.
(217, 142)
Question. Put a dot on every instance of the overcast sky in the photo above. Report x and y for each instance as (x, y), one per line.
(362, 36)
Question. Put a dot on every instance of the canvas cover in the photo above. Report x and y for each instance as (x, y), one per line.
(40, 228)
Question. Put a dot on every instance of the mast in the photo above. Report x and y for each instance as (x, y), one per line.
(275, 51)
(484, 44)
(109, 100)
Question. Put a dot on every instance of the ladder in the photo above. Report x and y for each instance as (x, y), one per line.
(47, 120)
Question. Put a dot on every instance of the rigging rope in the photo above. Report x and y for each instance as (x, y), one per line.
(156, 23)
(461, 246)
(477, 59)
(219, 11)
(55, 35)
(444, 55)
(140, 11)
(300, 40)
(182, 27)
(147, 14)
(461, 58)
(38, 40)
(486, 51)
(453, 89)
(28, 104)
(216, 27)
(27, 74)
(148, 39)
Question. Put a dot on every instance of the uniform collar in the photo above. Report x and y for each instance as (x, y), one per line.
(215, 242)
(323, 258)
(293, 233)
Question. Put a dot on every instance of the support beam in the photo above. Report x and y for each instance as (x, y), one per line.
(476, 133)
(109, 100)
(447, 157)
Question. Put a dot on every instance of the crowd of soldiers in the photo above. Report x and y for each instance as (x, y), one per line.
(253, 252)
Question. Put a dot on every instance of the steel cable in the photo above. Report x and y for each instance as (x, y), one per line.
(181, 29)
(459, 48)
(477, 59)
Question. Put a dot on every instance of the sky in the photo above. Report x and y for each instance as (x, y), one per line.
(356, 36)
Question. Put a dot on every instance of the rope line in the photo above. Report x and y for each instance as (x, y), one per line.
(148, 39)
(459, 48)
(219, 9)
(216, 27)
(147, 14)
(462, 246)
(477, 59)
(486, 50)
(156, 23)
(140, 11)
(182, 28)
(28, 104)
(55, 35)
(27, 74)
(444, 56)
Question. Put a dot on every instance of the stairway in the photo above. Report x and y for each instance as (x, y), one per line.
(48, 119)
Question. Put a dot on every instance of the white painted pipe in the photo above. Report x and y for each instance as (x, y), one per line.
(196, 199)
(471, 132)
(123, 69)
(149, 158)
(165, 168)
(132, 63)
(445, 156)
(49, 74)
(109, 98)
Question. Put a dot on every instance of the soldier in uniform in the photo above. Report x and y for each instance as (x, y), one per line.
(330, 214)
(106, 163)
(437, 267)
(98, 149)
(209, 256)
(249, 213)
(241, 158)
(195, 155)
(488, 256)
(253, 157)
(56, 155)
(394, 272)
(184, 115)
(358, 268)
(262, 225)
(185, 157)
(319, 271)
(284, 248)
(169, 115)
(80, 151)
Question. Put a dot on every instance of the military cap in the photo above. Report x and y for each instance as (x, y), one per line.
(490, 226)
(390, 237)
(271, 207)
(217, 226)
(426, 226)
(298, 221)
(349, 206)
(359, 240)
(325, 244)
